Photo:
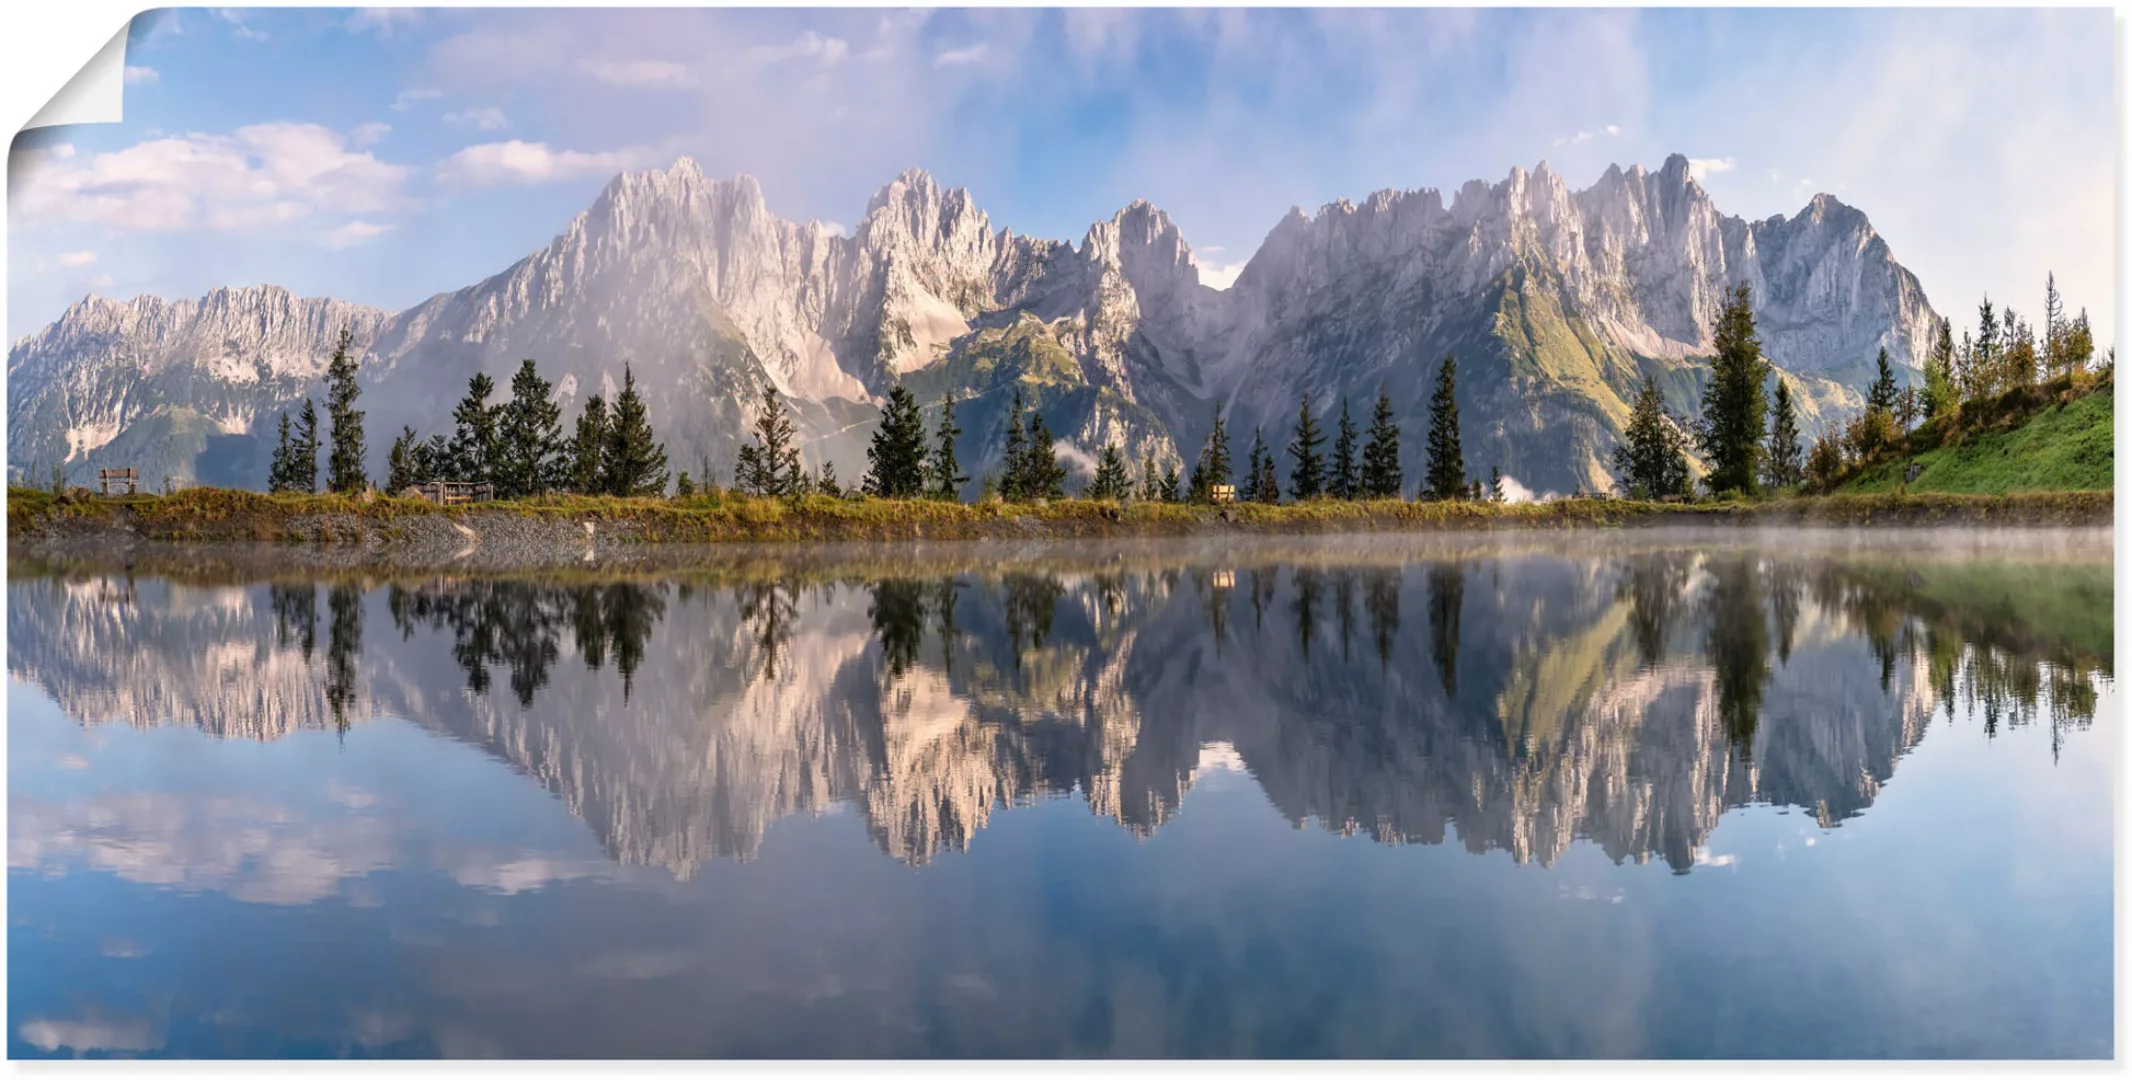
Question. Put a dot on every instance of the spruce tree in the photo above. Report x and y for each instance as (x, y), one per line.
(1735, 405)
(1446, 475)
(1013, 467)
(897, 455)
(1260, 485)
(303, 463)
(1984, 363)
(1345, 480)
(1150, 480)
(474, 441)
(1940, 396)
(588, 449)
(635, 461)
(344, 464)
(1881, 395)
(1172, 486)
(944, 476)
(771, 465)
(1306, 480)
(1650, 460)
(401, 463)
(1213, 465)
(431, 458)
(529, 438)
(1111, 480)
(1045, 478)
(1785, 458)
(827, 482)
(281, 471)
(1381, 477)
(2054, 327)
(1495, 485)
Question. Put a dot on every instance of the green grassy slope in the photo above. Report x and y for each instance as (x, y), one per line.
(2065, 447)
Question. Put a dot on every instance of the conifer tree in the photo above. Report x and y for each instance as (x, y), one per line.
(771, 465)
(588, 449)
(281, 472)
(684, 485)
(529, 438)
(1263, 486)
(897, 454)
(1111, 481)
(1044, 477)
(1939, 372)
(635, 461)
(1495, 485)
(1306, 479)
(1013, 466)
(827, 482)
(430, 459)
(1381, 477)
(1150, 480)
(344, 464)
(303, 462)
(1650, 460)
(1735, 404)
(1446, 477)
(944, 476)
(1881, 395)
(2055, 326)
(401, 464)
(1172, 486)
(1254, 465)
(474, 442)
(1782, 464)
(1213, 466)
(1344, 481)
(1984, 364)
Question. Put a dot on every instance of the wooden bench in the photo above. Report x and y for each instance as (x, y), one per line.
(128, 479)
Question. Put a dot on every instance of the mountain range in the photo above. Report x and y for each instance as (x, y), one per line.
(1557, 304)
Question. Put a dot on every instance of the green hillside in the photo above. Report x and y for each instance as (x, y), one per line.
(2061, 447)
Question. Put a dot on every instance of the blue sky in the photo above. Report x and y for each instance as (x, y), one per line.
(381, 157)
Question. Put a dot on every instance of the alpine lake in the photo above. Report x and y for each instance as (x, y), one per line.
(1631, 793)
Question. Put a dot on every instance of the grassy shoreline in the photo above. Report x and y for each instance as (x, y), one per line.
(209, 515)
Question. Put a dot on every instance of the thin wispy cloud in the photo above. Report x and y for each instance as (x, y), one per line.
(648, 74)
(486, 118)
(969, 54)
(517, 163)
(141, 76)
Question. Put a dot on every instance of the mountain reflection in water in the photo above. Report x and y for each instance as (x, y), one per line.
(1520, 700)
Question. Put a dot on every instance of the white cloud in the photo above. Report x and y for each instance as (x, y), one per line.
(833, 228)
(141, 76)
(91, 1033)
(520, 163)
(100, 281)
(355, 232)
(651, 74)
(383, 22)
(972, 54)
(809, 45)
(255, 176)
(1701, 168)
(370, 133)
(1219, 277)
(1613, 129)
(76, 259)
(237, 25)
(413, 94)
(486, 117)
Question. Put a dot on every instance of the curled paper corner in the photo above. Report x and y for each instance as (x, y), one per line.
(95, 95)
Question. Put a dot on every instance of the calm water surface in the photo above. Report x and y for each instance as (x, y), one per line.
(1506, 797)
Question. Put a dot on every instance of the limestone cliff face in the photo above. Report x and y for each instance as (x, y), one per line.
(1558, 303)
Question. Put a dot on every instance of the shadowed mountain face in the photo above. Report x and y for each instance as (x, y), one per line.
(1557, 303)
(1522, 701)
